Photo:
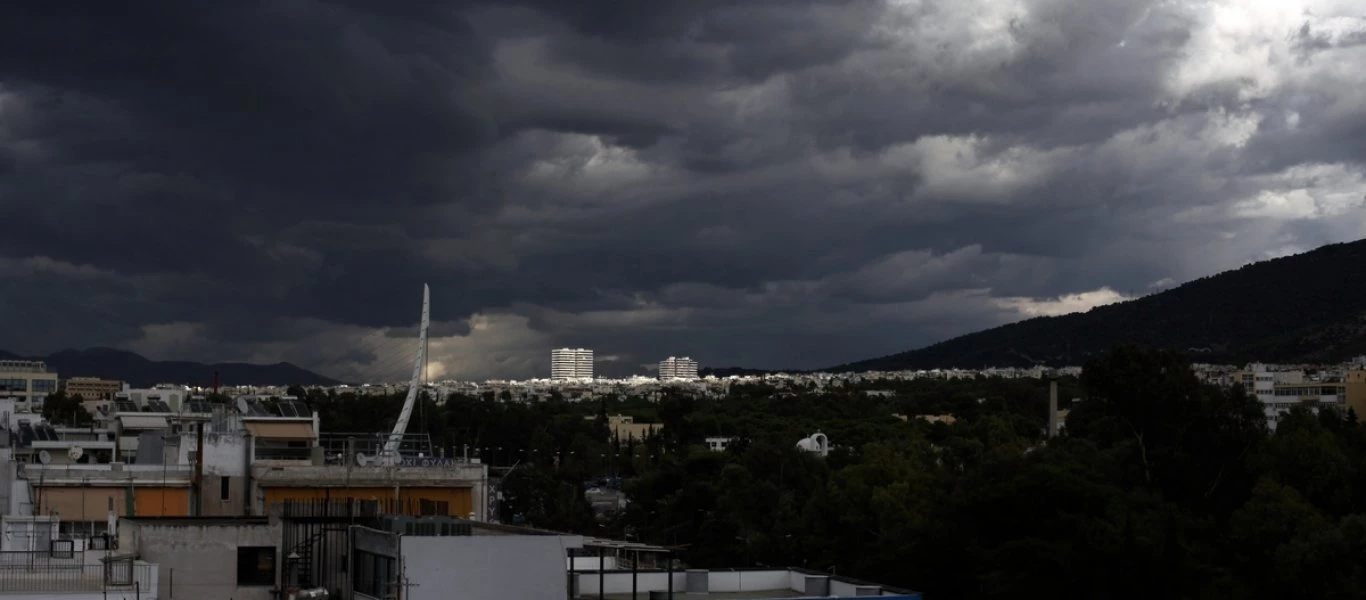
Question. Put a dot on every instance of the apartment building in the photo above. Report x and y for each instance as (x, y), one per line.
(625, 427)
(571, 363)
(1279, 390)
(92, 388)
(29, 381)
(678, 368)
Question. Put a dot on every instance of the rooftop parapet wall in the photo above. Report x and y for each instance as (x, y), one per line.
(105, 474)
(457, 475)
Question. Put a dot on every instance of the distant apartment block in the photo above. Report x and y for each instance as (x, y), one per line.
(571, 363)
(27, 380)
(718, 443)
(92, 388)
(678, 368)
(1281, 390)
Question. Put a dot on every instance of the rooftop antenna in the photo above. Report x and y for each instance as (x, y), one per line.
(390, 452)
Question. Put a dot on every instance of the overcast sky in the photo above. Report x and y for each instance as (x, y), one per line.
(762, 183)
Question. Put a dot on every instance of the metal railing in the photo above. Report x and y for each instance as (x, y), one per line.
(65, 576)
(41, 557)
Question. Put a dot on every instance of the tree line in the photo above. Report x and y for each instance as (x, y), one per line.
(1159, 485)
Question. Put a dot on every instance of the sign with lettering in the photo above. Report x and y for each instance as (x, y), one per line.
(427, 461)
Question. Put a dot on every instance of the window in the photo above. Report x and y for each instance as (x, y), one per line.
(374, 575)
(224, 488)
(44, 386)
(256, 565)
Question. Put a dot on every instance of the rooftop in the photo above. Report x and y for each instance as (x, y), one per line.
(738, 584)
(717, 595)
(23, 366)
(679, 593)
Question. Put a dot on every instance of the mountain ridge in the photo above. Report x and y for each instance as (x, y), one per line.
(1308, 307)
(138, 371)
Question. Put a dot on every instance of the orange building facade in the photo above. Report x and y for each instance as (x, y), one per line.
(458, 501)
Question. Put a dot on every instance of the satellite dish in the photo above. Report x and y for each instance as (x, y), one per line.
(362, 460)
(242, 406)
(44, 457)
(75, 453)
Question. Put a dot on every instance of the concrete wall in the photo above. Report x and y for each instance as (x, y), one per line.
(213, 504)
(18, 491)
(747, 581)
(198, 561)
(224, 453)
(844, 588)
(795, 582)
(225, 457)
(8, 473)
(620, 583)
(592, 563)
(487, 568)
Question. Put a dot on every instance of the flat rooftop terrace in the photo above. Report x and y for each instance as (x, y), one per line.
(737, 584)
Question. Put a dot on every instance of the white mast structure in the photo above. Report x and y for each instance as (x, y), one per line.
(390, 452)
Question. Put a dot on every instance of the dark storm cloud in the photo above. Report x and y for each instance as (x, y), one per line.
(769, 183)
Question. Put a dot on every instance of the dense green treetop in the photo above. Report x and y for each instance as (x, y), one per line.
(1160, 486)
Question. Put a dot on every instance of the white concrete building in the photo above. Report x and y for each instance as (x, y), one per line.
(1281, 390)
(678, 368)
(571, 363)
(37, 563)
(208, 557)
(718, 443)
(29, 381)
(481, 565)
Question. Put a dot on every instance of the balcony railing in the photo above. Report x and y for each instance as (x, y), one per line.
(39, 573)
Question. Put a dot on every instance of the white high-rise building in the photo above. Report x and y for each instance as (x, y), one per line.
(678, 368)
(571, 363)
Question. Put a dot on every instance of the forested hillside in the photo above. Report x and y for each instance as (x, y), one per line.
(1305, 308)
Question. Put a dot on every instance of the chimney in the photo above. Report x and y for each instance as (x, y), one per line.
(1053, 408)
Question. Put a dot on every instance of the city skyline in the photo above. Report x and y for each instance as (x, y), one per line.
(784, 185)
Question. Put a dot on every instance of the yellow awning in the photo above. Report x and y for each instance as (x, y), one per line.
(288, 430)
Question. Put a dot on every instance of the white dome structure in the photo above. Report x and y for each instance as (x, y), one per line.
(816, 444)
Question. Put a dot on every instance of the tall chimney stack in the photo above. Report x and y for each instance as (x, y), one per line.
(1053, 407)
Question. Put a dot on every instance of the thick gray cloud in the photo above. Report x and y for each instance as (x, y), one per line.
(769, 183)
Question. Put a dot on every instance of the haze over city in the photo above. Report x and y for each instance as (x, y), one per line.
(784, 184)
